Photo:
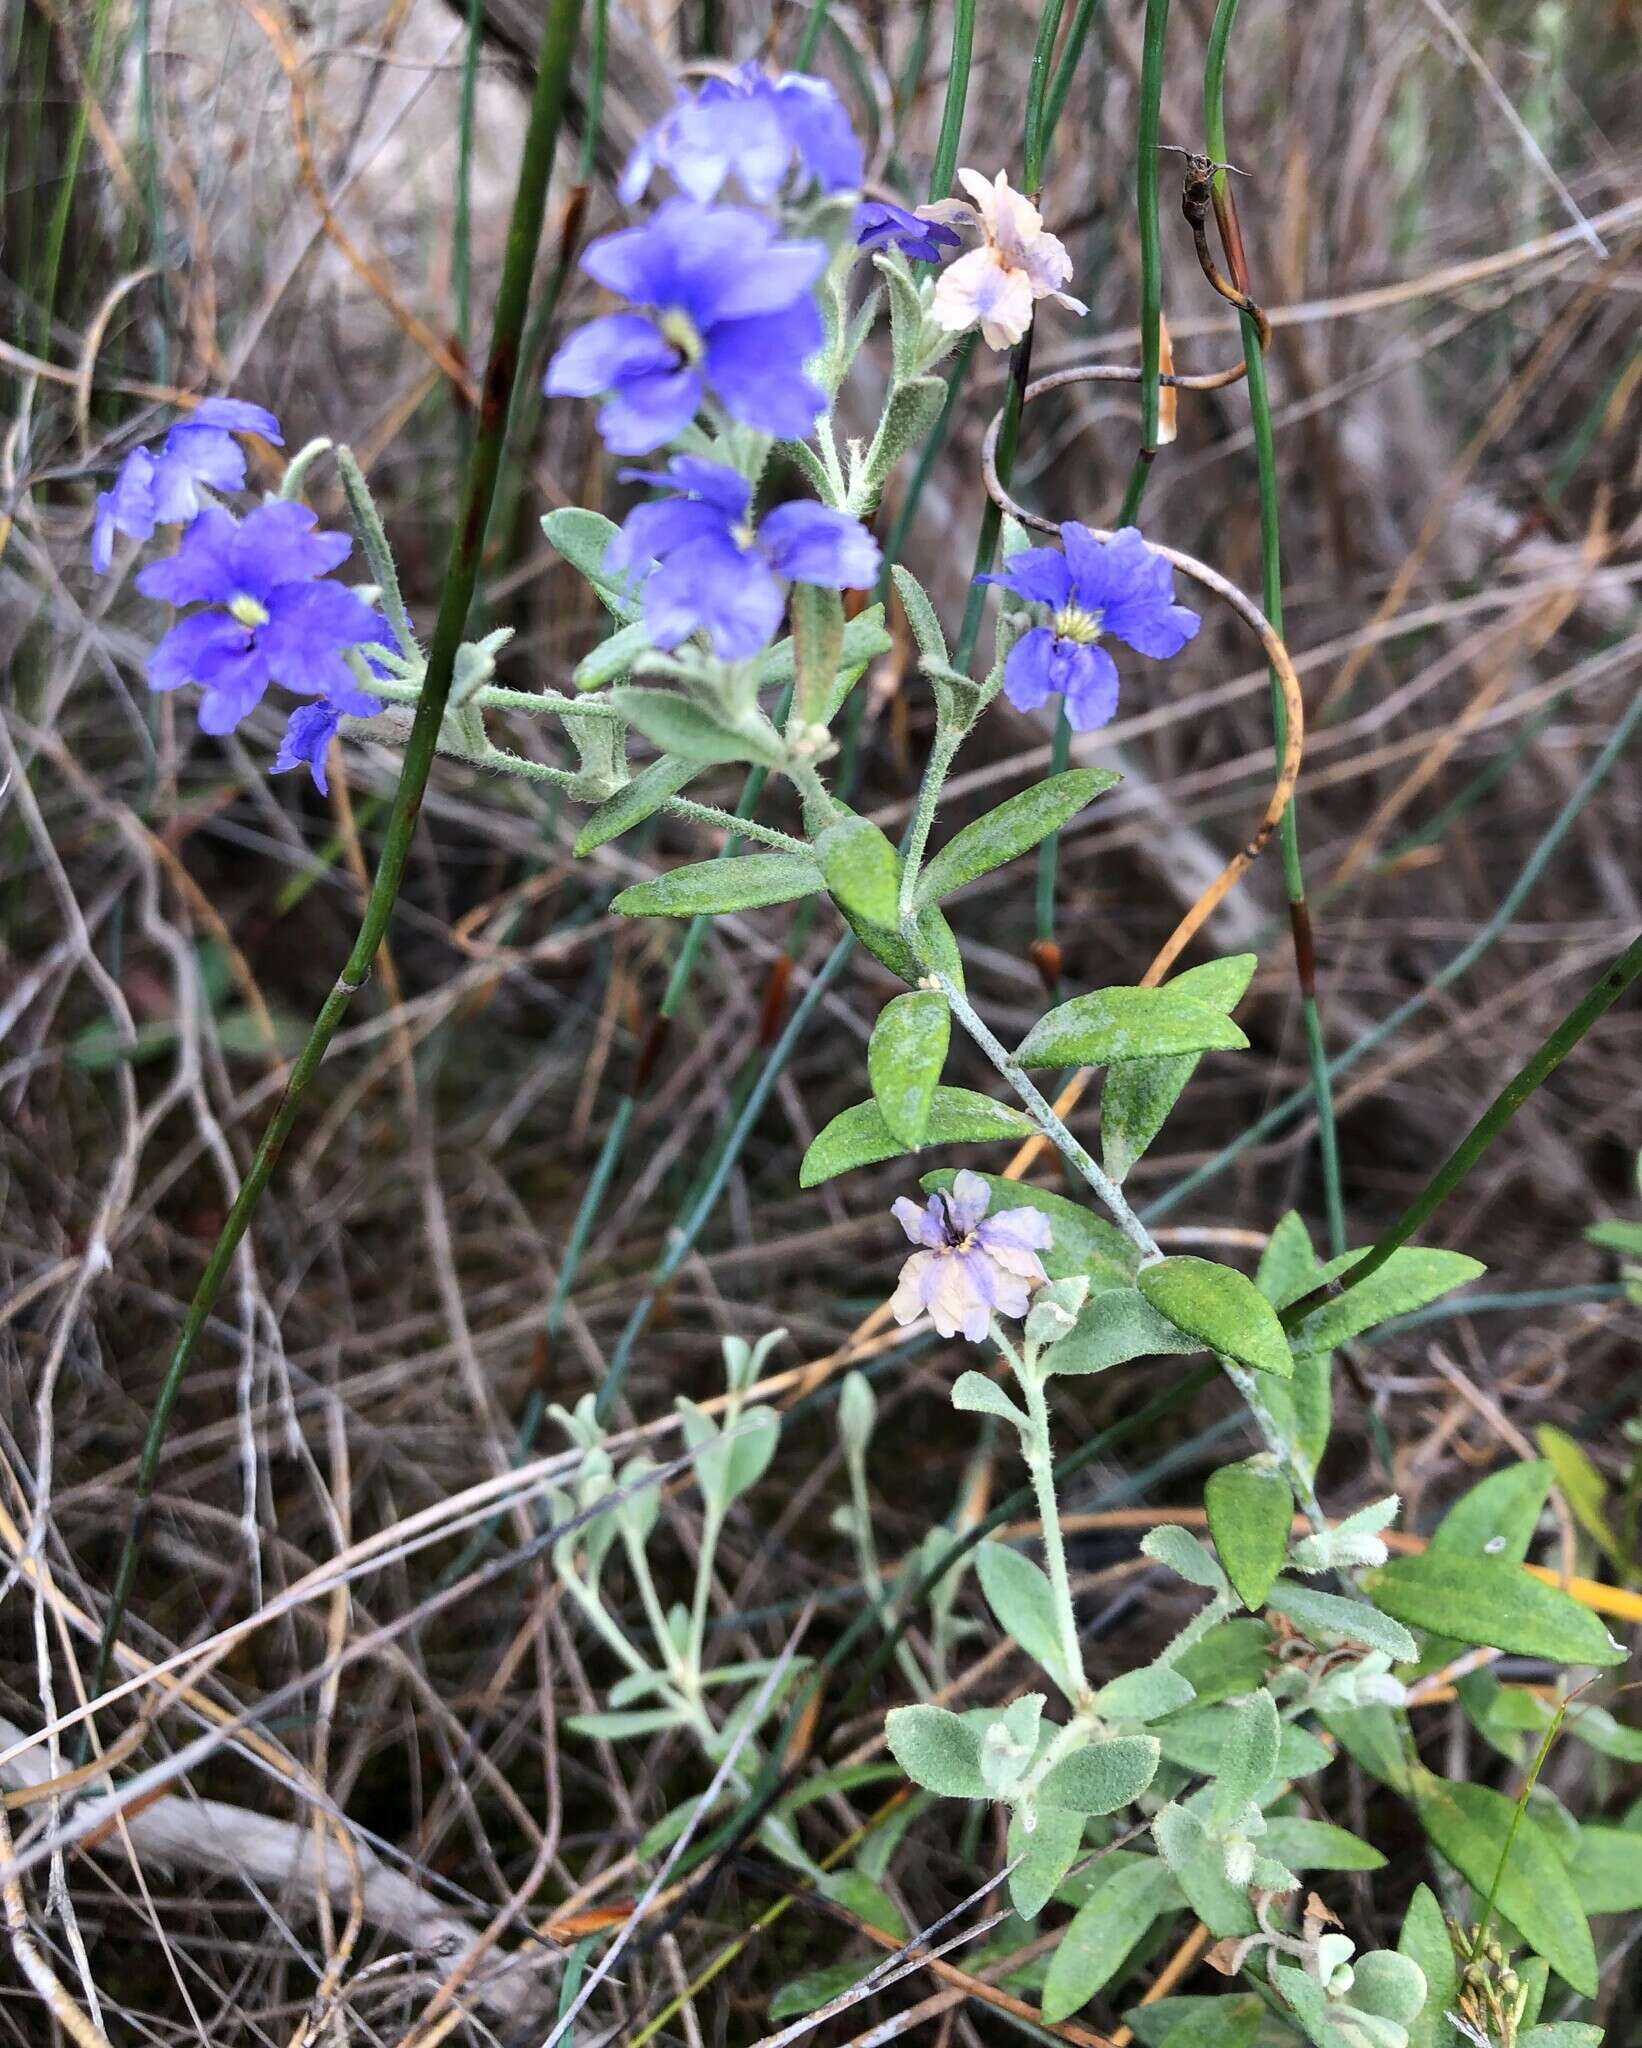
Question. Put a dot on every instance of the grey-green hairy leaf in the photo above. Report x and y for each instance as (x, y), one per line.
(1012, 829)
(1138, 1094)
(1041, 1858)
(1102, 1777)
(1190, 1560)
(714, 887)
(921, 617)
(938, 1750)
(1607, 1869)
(1023, 1604)
(1492, 1601)
(1424, 1940)
(861, 869)
(1199, 1864)
(860, 1137)
(582, 538)
(1144, 1695)
(677, 725)
(1118, 1325)
(1222, 1307)
(1105, 1931)
(1247, 1757)
(635, 801)
(613, 656)
(1410, 1279)
(1328, 1614)
(1126, 1024)
(905, 1058)
(1306, 1844)
(935, 941)
(975, 1394)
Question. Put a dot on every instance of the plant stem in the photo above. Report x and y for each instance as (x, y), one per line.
(1040, 1464)
(461, 579)
(1037, 84)
(1151, 252)
(945, 744)
(957, 93)
(1484, 1131)
(1083, 20)
(1288, 829)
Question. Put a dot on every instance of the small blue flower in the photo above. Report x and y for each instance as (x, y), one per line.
(1118, 586)
(726, 311)
(163, 490)
(277, 623)
(707, 569)
(308, 736)
(970, 1266)
(879, 224)
(752, 127)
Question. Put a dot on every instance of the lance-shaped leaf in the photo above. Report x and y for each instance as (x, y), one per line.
(1106, 1928)
(1116, 1326)
(862, 869)
(935, 942)
(860, 1137)
(1139, 1094)
(1023, 1602)
(712, 887)
(582, 537)
(1013, 828)
(818, 647)
(635, 801)
(1041, 1858)
(1410, 1279)
(674, 723)
(1102, 1777)
(1126, 1024)
(905, 1058)
(1222, 1307)
(938, 1750)
(1492, 1601)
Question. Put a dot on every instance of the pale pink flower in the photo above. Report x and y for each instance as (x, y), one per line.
(972, 1265)
(996, 286)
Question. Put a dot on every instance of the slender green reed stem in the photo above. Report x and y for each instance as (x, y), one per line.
(461, 232)
(1151, 252)
(1083, 20)
(68, 176)
(1550, 1055)
(957, 95)
(1037, 87)
(558, 45)
(809, 41)
(1283, 1112)
(1288, 830)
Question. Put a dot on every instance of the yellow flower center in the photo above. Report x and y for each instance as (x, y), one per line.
(248, 612)
(743, 535)
(1072, 622)
(680, 331)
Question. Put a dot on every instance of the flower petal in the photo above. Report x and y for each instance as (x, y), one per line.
(811, 543)
(645, 413)
(756, 367)
(1040, 575)
(195, 650)
(967, 1201)
(239, 416)
(202, 569)
(1091, 688)
(599, 356)
(308, 736)
(712, 587)
(1027, 681)
(281, 543)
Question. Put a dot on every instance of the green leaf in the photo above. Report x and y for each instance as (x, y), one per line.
(1424, 1940)
(817, 1988)
(582, 537)
(921, 617)
(1232, 2021)
(1023, 1604)
(1012, 829)
(1247, 1759)
(1306, 1844)
(1329, 1614)
(862, 870)
(938, 1750)
(1498, 1516)
(1410, 1279)
(1607, 1871)
(635, 801)
(1583, 1488)
(1144, 1695)
(974, 1394)
(1126, 1024)
(1561, 2034)
(1104, 1932)
(905, 1058)
(1250, 1512)
(1046, 1854)
(1201, 1739)
(1083, 1244)
(818, 647)
(1219, 1305)
(1102, 1777)
(1231, 1658)
(1470, 1825)
(1139, 1094)
(1116, 1326)
(935, 941)
(1624, 1238)
(1198, 1861)
(675, 724)
(712, 887)
(857, 1894)
(860, 1137)
(613, 1727)
(1490, 1600)
(613, 656)
(733, 1459)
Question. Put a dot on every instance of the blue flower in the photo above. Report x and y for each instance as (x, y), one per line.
(1118, 586)
(308, 736)
(163, 490)
(276, 623)
(706, 568)
(751, 126)
(726, 311)
(881, 225)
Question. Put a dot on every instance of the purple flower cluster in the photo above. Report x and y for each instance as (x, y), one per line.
(269, 618)
(1095, 587)
(164, 490)
(751, 127)
(707, 568)
(971, 1266)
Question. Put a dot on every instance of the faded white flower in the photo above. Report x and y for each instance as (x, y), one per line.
(996, 286)
(972, 1264)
